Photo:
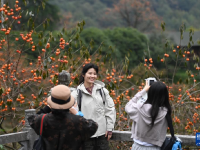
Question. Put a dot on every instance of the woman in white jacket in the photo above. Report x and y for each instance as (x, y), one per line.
(149, 119)
(93, 94)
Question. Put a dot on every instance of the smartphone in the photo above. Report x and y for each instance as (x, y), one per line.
(151, 82)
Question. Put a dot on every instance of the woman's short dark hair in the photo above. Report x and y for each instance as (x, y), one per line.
(85, 69)
(158, 96)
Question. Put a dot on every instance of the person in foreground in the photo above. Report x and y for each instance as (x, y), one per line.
(149, 119)
(62, 130)
(93, 107)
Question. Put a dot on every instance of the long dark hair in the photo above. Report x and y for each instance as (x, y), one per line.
(85, 69)
(158, 96)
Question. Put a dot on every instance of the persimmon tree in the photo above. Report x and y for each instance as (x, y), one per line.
(183, 93)
(36, 11)
(30, 61)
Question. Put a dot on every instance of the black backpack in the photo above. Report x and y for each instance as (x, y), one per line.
(79, 97)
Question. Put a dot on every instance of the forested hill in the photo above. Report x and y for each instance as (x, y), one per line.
(142, 14)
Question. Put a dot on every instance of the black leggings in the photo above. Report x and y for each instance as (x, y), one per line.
(97, 143)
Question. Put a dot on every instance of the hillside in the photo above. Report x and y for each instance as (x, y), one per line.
(106, 13)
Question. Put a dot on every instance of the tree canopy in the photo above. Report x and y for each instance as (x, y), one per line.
(99, 13)
(35, 13)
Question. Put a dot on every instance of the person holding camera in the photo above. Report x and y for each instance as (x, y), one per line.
(62, 130)
(149, 125)
(95, 103)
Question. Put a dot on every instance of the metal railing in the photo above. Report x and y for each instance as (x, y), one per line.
(27, 137)
(125, 136)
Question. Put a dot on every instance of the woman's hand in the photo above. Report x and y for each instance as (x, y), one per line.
(146, 88)
(73, 110)
(108, 134)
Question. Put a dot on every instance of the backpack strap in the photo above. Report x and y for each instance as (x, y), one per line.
(41, 124)
(102, 93)
(79, 99)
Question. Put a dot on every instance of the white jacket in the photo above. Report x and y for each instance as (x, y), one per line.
(141, 126)
(93, 108)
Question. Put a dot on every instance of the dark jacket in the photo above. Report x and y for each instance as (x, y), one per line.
(63, 130)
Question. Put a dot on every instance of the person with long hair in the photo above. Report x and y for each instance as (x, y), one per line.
(149, 125)
(96, 104)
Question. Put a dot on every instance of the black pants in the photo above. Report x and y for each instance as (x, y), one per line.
(97, 143)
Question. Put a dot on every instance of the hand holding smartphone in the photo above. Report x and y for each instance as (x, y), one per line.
(151, 80)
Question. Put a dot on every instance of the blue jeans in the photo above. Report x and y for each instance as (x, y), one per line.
(97, 143)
